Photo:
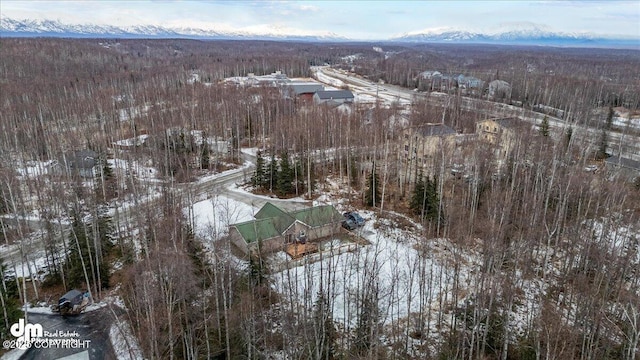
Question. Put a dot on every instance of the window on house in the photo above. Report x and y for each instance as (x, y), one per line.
(486, 127)
(495, 129)
(406, 136)
(406, 148)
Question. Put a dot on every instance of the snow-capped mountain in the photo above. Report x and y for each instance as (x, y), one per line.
(53, 28)
(509, 34)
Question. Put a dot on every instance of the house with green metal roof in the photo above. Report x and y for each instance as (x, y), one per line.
(274, 228)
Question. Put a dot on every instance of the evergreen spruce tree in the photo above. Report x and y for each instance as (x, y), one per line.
(567, 137)
(418, 199)
(424, 201)
(544, 127)
(106, 187)
(602, 146)
(285, 175)
(259, 179)
(373, 195)
(82, 252)
(205, 155)
(433, 202)
(299, 176)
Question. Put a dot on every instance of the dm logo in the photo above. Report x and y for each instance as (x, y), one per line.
(25, 333)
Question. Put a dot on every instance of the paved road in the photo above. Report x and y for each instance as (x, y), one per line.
(93, 326)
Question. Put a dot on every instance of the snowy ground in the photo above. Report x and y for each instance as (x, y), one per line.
(211, 218)
(136, 141)
(34, 169)
(133, 112)
(141, 172)
(390, 262)
(34, 266)
(124, 343)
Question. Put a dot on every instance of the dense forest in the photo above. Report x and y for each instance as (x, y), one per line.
(538, 260)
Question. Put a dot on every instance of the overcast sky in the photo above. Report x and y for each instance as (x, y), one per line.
(367, 20)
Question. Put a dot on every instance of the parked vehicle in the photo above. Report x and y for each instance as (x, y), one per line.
(72, 303)
(349, 224)
(354, 217)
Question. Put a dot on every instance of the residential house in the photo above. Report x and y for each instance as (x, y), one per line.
(499, 90)
(430, 75)
(502, 133)
(273, 228)
(333, 97)
(470, 84)
(84, 163)
(429, 80)
(421, 149)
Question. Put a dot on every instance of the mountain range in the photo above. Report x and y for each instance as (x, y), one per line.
(522, 36)
(527, 35)
(52, 28)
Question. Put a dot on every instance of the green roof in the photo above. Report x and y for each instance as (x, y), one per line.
(318, 215)
(272, 221)
(255, 230)
(269, 210)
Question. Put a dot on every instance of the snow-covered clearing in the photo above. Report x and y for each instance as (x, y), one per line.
(403, 280)
(211, 218)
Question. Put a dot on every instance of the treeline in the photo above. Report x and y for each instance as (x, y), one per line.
(282, 176)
